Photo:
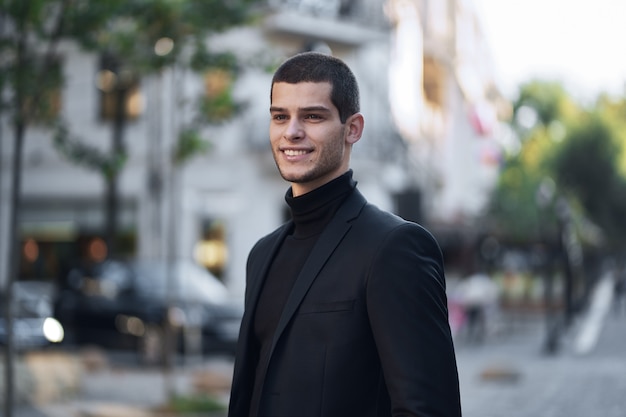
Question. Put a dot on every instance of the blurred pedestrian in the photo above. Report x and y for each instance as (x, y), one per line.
(345, 304)
(479, 296)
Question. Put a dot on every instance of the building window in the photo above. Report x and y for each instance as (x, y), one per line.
(118, 87)
(211, 251)
(434, 79)
(218, 103)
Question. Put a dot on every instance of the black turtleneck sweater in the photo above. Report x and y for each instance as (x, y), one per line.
(311, 213)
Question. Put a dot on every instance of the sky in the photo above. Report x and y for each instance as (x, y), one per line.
(581, 43)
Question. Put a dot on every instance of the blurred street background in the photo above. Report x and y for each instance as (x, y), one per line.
(507, 374)
(135, 176)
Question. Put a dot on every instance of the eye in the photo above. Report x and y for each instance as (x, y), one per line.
(313, 117)
(279, 117)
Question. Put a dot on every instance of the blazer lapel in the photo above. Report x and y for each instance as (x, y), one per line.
(260, 273)
(246, 363)
(256, 284)
(323, 249)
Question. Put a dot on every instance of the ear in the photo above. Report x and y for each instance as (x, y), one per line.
(354, 124)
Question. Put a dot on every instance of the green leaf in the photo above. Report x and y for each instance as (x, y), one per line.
(76, 151)
(189, 144)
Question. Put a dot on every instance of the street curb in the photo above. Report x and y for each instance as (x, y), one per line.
(117, 410)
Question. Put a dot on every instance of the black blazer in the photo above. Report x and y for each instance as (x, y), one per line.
(364, 331)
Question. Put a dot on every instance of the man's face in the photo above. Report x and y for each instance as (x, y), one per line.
(310, 144)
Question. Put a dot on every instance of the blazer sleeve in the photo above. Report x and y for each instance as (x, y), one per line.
(407, 308)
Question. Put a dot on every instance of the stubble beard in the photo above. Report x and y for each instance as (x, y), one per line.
(329, 160)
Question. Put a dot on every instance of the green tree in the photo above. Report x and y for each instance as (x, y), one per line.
(140, 39)
(549, 100)
(520, 208)
(127, 31)
(578, 150)
(613, 111)
(587, 167)
(29, 75)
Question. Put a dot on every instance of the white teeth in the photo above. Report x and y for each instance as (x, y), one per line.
(291, 152)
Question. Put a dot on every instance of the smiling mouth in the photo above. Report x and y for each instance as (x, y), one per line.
(293, 152)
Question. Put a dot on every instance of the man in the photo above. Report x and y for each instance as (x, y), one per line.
(346, 310)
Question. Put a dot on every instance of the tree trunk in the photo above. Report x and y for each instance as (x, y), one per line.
(14, 219)
(14, 258)
(112, 191)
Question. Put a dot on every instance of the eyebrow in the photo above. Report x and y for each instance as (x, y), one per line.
(303, 109)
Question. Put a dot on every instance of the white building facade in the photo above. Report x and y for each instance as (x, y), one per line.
(429, 151)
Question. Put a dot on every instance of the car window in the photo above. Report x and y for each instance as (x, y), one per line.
(106, 279)
(189, 282)
(31, 299)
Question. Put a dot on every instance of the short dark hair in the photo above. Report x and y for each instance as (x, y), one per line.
(317, 67)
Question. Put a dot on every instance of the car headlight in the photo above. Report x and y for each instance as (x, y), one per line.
(53, 330)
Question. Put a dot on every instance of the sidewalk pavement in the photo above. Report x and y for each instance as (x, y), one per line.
(508, 375)
(110, 389)
(513, 376)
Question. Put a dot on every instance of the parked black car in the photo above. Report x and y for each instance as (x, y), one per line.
(34, 327)
(124, 305)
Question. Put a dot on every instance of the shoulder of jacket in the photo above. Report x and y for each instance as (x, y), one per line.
(390, 222)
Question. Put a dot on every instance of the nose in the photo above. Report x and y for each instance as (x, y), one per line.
(293, 130)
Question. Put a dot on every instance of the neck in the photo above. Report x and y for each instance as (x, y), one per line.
(299, 189)
(314, 209)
